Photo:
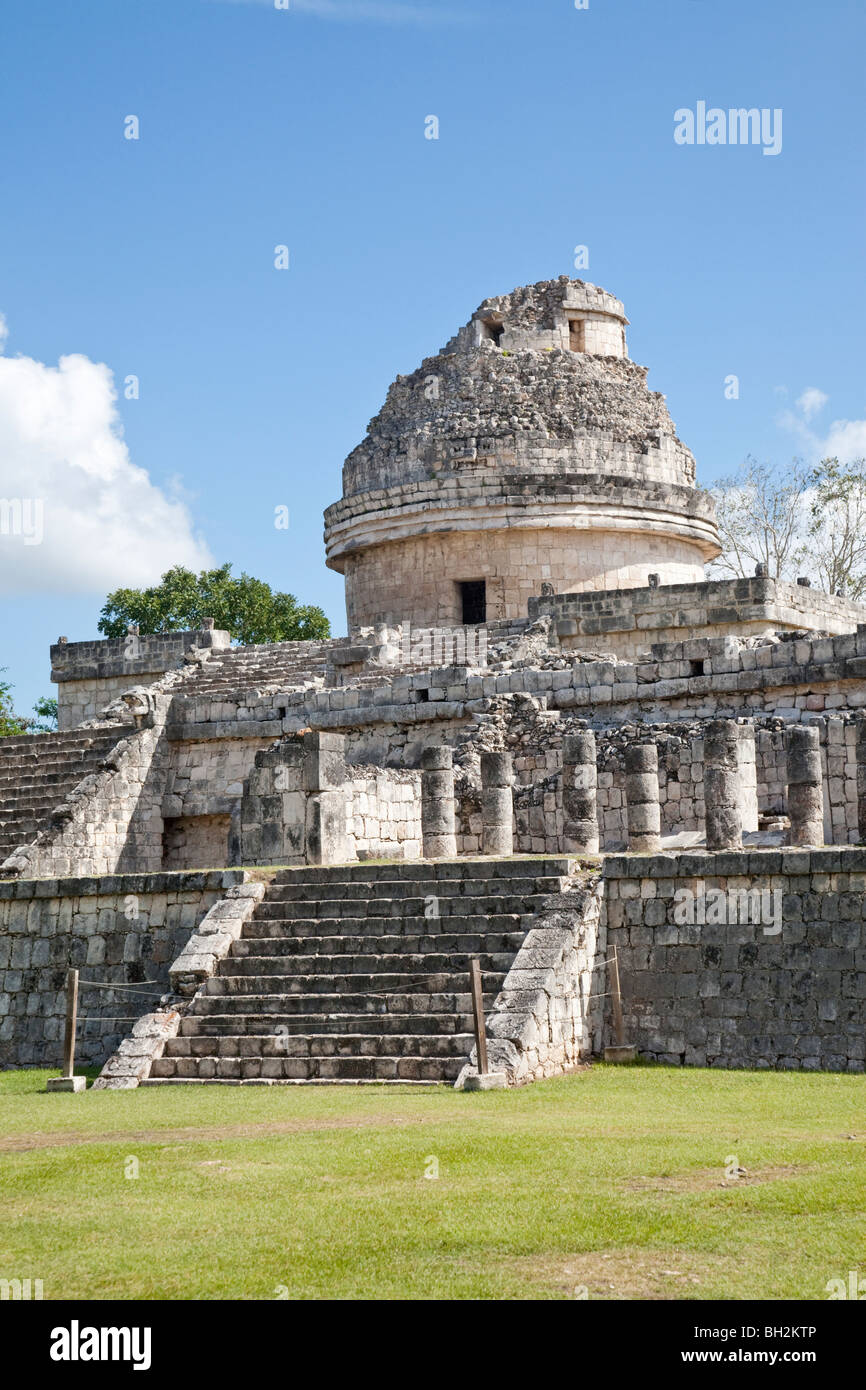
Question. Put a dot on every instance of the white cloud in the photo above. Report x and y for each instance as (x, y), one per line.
(811, 401)
(843, 439)
(4, 331)
(76, 514)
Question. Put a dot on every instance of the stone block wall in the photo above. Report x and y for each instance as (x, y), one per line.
(548, 1015)
(838, 735)
(196, 842)
(627, 621)
(303, 804)
(512, 561)
(121, 930)
(383, 819)
(90, 674)
(779, 980)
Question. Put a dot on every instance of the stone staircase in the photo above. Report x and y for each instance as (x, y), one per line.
(271, 665)
(37, 771)
(343, 975)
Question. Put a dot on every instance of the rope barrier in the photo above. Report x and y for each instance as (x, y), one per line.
(138, 987)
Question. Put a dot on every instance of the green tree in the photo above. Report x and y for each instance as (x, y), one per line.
(46, 710)
(10, 722)
(247, 608)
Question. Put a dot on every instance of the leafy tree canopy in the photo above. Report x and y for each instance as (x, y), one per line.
(247, 608)
(12, 724)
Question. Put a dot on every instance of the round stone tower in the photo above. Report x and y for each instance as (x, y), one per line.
(527, 452)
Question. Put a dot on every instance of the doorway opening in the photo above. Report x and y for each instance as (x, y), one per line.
(473, 601)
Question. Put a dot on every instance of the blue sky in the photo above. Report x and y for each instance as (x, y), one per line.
(305, 127)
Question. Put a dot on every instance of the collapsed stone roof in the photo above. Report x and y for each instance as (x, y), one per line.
(501, 399)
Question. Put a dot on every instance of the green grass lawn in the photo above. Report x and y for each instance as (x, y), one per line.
(610, 1180)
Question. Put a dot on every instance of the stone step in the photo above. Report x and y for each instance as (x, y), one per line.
(63, 740)
(452, 943)
(315, 1044)
(340, 977)
(410, 887)
(400, 1068)
(280, 1004)
(219, 1027)
(358, 982)
(349, 928)
(451, 907)
(288, 1081)
(396, 966)
(463, 868)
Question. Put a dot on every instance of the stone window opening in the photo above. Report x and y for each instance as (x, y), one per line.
(493, 330)
(697, 667)
(473, 601)
(577, 335)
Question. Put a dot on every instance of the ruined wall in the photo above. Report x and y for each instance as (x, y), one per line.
(548, 1015)
(91, 674)
(383, 813)
(785, 988)
(194, 842)
(626, 622)
(120, 930)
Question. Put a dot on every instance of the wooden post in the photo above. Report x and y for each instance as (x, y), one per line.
(71, 1018)
(69, 1081)
(616, 1000)
(621, 1050)
(478, 1012)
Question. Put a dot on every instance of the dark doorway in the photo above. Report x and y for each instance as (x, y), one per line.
(576, 335)
(473, 599)
(494, 331)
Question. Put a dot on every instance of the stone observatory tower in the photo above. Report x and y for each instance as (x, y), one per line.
(528, 452)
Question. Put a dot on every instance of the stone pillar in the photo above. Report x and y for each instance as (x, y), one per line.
(805, 785)
(273, 807)
(579, 789)
(642, 798)
(724, 820)
(438, 834)
(497, 804)
(324, 783)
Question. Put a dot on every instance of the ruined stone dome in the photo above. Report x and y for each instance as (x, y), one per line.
(529, 450)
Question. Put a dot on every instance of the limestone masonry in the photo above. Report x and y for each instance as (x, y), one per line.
(546, 738)
(528, 450)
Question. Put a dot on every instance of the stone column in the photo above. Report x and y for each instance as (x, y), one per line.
(438, 834)
(860, 755)
(724, 820)
(497, 804)
(324, 782)
(642, 798)
(579, 793)
(805, 785)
